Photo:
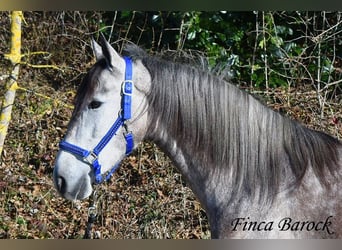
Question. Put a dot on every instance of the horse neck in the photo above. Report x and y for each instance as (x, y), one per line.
(202, 128)
(199, 177)
(208, 182)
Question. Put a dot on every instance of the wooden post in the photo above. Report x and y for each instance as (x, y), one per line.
(11, 86)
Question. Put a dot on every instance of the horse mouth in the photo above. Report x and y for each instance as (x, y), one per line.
(79, 191)
(83, 191)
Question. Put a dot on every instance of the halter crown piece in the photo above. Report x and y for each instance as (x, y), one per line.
(91, 156)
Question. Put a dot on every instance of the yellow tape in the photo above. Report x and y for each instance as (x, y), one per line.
(14, 87)
(15, 55)
(5, 117)
(41, 66)
(56, 101)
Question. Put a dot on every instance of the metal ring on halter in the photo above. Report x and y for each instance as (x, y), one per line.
(127, 90)
(92, 209)
(91, 157)
(120, 113)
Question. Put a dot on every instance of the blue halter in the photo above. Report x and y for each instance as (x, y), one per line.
(91, 156)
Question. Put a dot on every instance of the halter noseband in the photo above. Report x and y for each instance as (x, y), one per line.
(91, 156)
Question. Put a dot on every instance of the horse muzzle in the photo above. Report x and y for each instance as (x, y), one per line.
(72, 188)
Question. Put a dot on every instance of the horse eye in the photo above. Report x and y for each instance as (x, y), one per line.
(94, 105)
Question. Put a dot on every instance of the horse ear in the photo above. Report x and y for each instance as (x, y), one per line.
(105, 50)
(108, 51)
(96, 49)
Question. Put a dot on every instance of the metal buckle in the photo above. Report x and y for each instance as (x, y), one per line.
(125, 90)
(91, 157)
(124, 125)
(92, 209)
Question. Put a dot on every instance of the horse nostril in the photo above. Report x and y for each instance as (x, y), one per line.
(61, 185)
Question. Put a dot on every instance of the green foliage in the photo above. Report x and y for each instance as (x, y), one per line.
(262, 49)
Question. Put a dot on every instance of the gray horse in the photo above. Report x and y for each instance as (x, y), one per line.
(256, 173)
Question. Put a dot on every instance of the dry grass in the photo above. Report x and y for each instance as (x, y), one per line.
(147, 197)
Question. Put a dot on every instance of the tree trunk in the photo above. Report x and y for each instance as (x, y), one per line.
(11, 85)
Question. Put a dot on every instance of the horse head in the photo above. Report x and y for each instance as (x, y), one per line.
(107, 123)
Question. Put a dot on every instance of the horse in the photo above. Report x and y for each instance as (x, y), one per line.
(257, 173)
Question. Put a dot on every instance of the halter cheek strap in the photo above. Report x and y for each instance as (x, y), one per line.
(91, 156)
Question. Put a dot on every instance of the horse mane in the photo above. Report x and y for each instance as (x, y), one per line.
(223, 127)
